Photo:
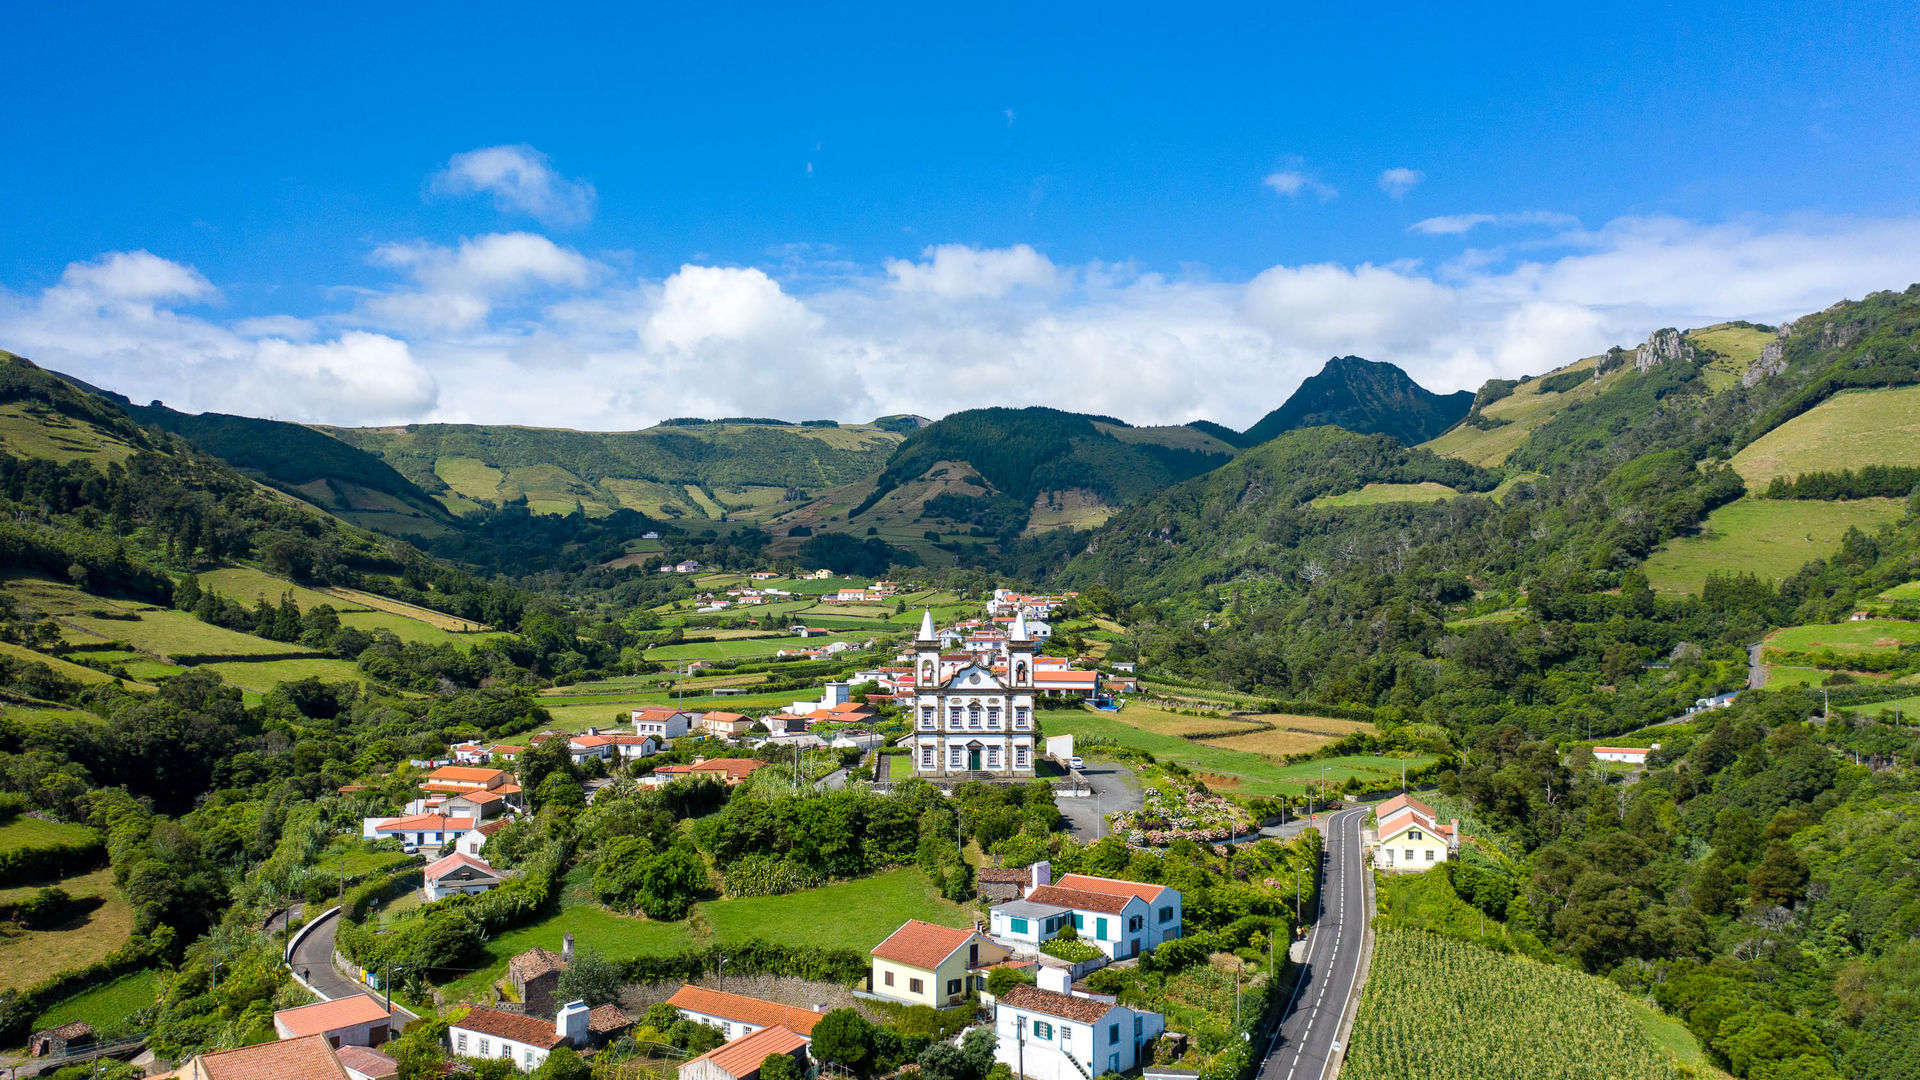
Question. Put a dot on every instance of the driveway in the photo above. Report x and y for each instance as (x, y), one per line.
(1756, 667)
(1115, 789)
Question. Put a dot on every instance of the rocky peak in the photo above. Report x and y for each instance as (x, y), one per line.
(1662, 347)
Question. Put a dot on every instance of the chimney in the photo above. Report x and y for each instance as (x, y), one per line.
(566, 947)
(1042, 874)
(1057, 979)
(571, 1022)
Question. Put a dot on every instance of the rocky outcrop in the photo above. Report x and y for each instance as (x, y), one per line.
(1662, 347)
(1772, 361)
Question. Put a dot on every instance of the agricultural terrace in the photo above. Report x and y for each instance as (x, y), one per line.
(1848, 430)
(1771, 538)
(109, 1007)
(856, 914)
(745, 648)
(1439, 1009)
(68, 669)
(1377, 494)
(28, 956)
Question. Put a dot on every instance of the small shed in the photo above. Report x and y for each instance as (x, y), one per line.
(59, 1041)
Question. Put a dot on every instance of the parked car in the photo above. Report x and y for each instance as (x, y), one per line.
(1075, 763)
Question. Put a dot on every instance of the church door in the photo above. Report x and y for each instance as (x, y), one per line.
(973, 758)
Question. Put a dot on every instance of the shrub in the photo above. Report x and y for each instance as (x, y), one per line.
(768, 875)
(1073, 952)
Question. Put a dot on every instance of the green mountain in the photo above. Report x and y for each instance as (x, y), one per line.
(1364, 396)
(688, 469)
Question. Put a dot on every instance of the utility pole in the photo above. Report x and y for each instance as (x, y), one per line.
(1020, 1042)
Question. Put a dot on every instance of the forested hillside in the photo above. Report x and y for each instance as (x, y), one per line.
(1364, 396)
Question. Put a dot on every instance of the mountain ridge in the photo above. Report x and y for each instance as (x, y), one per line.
(1364, 396)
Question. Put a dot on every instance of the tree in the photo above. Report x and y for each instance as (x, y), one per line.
(561, 790)
(591, 978)
(843, 1037)
(944, 1061)
(563, 1064)
(779, 1067)
(1003, 979)
(978, 1048)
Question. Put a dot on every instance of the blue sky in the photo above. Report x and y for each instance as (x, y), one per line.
(387, 212)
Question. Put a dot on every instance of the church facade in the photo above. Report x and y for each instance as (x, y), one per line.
(973, 721)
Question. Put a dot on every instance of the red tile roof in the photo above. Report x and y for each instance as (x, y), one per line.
(456, 861)
(519, 1027)
(367, 1061)
(747, 1010)
(307, 1058)
(1053, 1003)
(324, 1016)
(1079, 899)
(742, 1056)
(922, 944)
(736, 768)
(1621, 750)
(588, 742)
(492, 827)
(465, 774)
(1113, 886)
(425, 823)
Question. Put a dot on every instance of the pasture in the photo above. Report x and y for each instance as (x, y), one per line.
(1771, 538)
(1227, 770)
(170, 633)
(1846, 431)
(738, 648)
(1379, 494)
(264, 675)
(27, 956)
(1524, 411)
(1868, 635)
(450, 623)
(247, 585)
(84, 675)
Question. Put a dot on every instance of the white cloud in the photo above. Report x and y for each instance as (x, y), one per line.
(521, 181)
(537, 334)
(959, 272)
(1292, 183)
(1457, 224)
(1399, 180)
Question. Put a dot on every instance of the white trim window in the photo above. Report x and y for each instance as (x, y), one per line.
(993, 757)
(956, 757)
(1020, 757)
(926, 757)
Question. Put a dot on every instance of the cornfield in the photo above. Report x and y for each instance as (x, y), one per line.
(1439, 1009)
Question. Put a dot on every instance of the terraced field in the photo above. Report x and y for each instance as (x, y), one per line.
(1377, 494)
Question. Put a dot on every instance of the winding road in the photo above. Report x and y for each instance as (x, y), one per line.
(1307, 1038)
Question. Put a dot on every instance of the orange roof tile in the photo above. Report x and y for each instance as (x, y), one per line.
(748, 1010)
(306, 1058)
(456, 861)
(1079, 899)
(425, 823)
(922, 944)
(1053, 1003)
(324, 1016)
(1089, 883)
(519, 1027)
(736, 768)
(742, 1056)
(464, 774)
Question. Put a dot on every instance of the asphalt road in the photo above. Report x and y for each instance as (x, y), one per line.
(1756, 668)
(313, 960)
(1117, 789)
(1303, 1044)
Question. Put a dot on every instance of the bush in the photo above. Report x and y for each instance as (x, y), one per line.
(1073, 952)
(56, 860)
(768, 875)
(44, 908)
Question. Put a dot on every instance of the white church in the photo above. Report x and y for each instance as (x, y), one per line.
(971, 721)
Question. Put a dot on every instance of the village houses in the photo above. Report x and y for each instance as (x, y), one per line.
(925, 964)
(1049, 1032)
(1120, 918)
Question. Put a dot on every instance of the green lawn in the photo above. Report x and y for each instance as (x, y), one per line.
(1236, 772)
(1870, 635)
(175, 632)
(84, 675)
(1908, 708)
(264, 675)
(108, 1007)
(1377, 494)
(1772, 538)
(738, 648)
(851, 914)
(32, 832)
(248, 585)
(1846, 431)
(899, 767)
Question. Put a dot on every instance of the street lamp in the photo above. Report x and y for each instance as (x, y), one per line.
(386, 983)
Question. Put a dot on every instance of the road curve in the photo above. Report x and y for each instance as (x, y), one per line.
(1302, 1045)
(312, 958)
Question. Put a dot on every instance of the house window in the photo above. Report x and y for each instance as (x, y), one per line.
(529, 1059)
(926, 757)
(953, 987)
(460, 1042)
(1042, 1030)
(1020, 757)
(954, 759)
(1020, 716)
(1413, 834)
(486, 1048)
(1166, 913)
(1019, 926)
(1429, 854)
(889, 978)
(1079, 921)
(1113, 1063)
(1136, 1027)
(1136, 923)
(916, 986)
(1409, 854)
(953, 716)
(1113, 1033)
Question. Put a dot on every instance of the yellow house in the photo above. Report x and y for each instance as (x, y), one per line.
(1410, 838)
(925, 964)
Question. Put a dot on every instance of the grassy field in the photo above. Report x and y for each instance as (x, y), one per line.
(264, 675)
(174, 632)
(453, 623)
(1770, 538)
(408, 629)
(1846, 431)
(84, 675)
(1238, 772)
(27, 956)
(1377, 494)
(29, 429)
(1907, 708)
(248, 585)
(33, 832)
(737, 649)
(107, 1007)
(1869, 635)
(1739, 347)
(1524, 410)
(1780, 676)
(81, 886)
(852, 915)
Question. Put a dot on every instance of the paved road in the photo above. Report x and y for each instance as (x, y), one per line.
(1756, 671)
(1301, 1047)
(1117, 789)
(313, 960)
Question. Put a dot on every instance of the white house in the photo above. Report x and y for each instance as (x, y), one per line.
(524, 1040)
(631, 747)
(1047, 1032)
(354, 1020)
(456, 874)
(737, 1014)
(472, 842)
(741, 1059)
(662, 723)
(419, 830)
(1120, 918)
(589, 747)
(1628, 755)
(1410, 837)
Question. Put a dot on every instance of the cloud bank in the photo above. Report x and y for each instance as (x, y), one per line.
(513, 327)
